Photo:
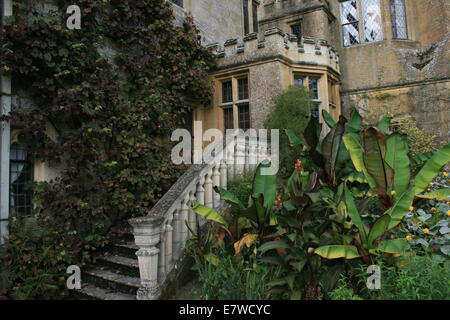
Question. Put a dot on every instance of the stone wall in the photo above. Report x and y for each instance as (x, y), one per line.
(218, 20)
(404, 77)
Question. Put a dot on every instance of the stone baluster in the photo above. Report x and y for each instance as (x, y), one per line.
(184, 219)
(262, 152)
(223, 174)
(192, 222)
(147, 235)
(177, 233)
(201, 196)
(253, 154)
(216, 183)
(230, 160)
(209, 190)
(240, 156)
(169, 244)
(247, 156)
(162, 255)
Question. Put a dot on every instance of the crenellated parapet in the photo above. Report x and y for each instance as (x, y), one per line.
(276, 44)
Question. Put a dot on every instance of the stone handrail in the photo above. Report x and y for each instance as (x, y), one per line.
(162, 234)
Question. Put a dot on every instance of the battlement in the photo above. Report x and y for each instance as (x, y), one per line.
(276, 44)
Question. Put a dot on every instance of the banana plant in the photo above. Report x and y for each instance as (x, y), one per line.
(385, 164)
(360, 240)
(255, 219)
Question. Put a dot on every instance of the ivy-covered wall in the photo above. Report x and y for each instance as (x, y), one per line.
(113, 91)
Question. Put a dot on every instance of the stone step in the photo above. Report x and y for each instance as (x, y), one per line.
(126, 266)
(127, 249)
(111, 279)
(91, 292)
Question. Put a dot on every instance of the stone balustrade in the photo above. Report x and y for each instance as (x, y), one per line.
(162, 234)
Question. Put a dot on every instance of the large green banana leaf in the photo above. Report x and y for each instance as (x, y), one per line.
(355, 123)
(229, 197)
(328, 119)
(440, 195)
(378, 229)
(396, 246)
(397, 158)
(336, 252)
(384, 124)
(374, 159)
(354, 214)
(265, 185)
(431, 169)
(421, 182)
(209, 214)
(356, 151)
(330, 147)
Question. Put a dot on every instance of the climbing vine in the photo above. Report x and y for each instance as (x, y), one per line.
(112, 91)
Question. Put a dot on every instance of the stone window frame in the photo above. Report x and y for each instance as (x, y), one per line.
(235, 103)
(250, 22)
(306, 76)
(361, 24)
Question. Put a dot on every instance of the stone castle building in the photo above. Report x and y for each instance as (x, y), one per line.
(378, 56)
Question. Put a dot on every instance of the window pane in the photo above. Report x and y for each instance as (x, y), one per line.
(20, 179)
(398, 15)
(315, 110)
(350, 22)
(244, 116)
(255, 17)
(299, 81)
(246, 20)
(297, 30)
(178, 2)
(228, 119)
(243, 89)
(227, 92)
(314, 87)
(372, 20)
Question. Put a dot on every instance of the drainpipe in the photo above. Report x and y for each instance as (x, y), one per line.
(5, 132)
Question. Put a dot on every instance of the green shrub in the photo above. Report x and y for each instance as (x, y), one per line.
(292, 110)
(343, 292)
(36, 264)
(421, 278)
(233, 278)
(418, 140)
(241, 187)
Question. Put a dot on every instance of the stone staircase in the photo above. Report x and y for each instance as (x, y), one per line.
(114, 276)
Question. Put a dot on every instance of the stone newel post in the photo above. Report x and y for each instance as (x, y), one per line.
(147, 235)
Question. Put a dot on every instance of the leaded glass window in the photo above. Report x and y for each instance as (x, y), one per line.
(20, 180)
(398, 16)
(350, 22)
(361, 21)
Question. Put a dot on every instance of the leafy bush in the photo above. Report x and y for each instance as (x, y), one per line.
(343, 292)
(422, 278)
(418, 140)
(36, 267)
(242, 188)
(292, 110)
(233, 278)
(427, 228)
(112, 127)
